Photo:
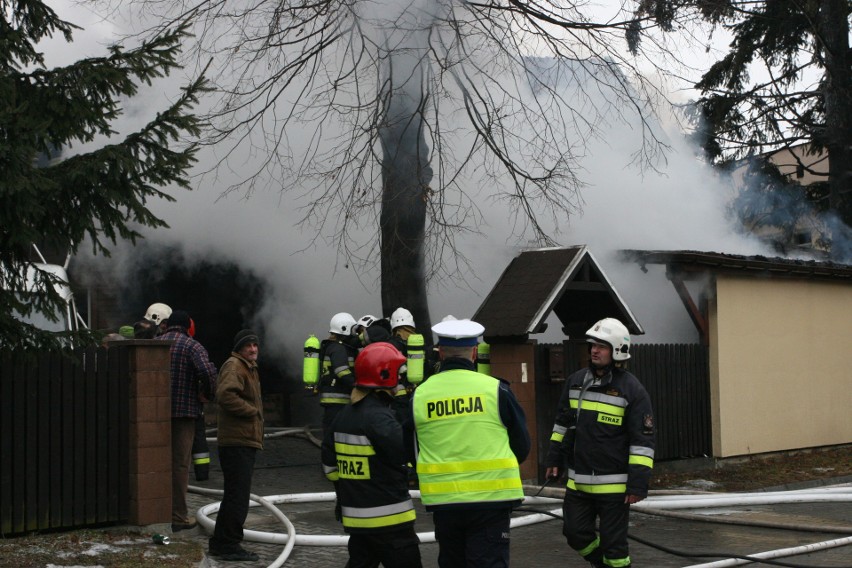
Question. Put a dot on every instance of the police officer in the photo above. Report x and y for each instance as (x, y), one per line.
(472, 434)
(604, 434)
(364, 455)
(337, 354)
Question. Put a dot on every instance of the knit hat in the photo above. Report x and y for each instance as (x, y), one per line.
(243, 337)
(179, 317)
(126, 331)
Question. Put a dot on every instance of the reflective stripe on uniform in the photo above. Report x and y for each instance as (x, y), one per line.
(641, 460)
(199, 459)
(558, 433)
(353, 445)
(617, 562)
(458, 467)
(614, 483)
(330, 472)
(641, 455)
(642, 451)
(600, 397)
(386, 515)
(470, 486)
(334, 398)
(591, 548)
(615, 410)
(613, 488)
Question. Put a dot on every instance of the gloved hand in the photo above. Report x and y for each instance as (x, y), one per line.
(338, 511)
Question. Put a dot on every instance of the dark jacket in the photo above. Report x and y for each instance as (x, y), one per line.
(240, 404)
(363, 453)
(604, 433)
(337, 357)
(190, 367)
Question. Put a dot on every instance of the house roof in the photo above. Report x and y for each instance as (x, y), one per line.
(566, 280)
(687, 261)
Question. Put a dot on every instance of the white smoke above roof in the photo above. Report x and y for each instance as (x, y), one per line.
(681, 206)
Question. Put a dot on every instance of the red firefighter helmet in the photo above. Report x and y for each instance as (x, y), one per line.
(377, 366)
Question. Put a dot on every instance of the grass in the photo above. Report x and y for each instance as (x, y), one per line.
(757, 473)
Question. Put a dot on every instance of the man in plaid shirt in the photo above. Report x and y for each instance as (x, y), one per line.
(190, 368)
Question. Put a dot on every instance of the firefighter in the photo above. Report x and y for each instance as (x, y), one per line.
(471, 435)
(337, 356)
(364, 455)
(159, 313)
(200, 447)
(402, 329)
(603, 439)
(377, 331)
(363, 323)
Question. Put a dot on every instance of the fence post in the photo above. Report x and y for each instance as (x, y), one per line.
(150, 456)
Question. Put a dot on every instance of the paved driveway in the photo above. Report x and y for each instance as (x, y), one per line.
(292, 465)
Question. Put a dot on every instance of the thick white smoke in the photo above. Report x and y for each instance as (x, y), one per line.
(682, 207)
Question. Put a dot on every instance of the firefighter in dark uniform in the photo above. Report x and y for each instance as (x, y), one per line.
(604, 436)
(200, 447)
(363, 323)
(471, 437)
(337, 357)
(363, 454)
(402, 327)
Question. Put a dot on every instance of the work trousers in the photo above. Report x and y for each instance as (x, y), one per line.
(329, 413)
(393, 549)
(201, 451)
(579, 511)
(237, 464)
(472, 539)
(183, 430)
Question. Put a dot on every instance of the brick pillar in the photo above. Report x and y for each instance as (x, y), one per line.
(150, 466)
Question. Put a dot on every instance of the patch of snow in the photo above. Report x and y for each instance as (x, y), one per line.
(701, 484)
(98, 548)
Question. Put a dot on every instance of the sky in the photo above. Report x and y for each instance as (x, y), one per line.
(681, 207)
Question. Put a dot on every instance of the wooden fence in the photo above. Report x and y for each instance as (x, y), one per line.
(677, 377)
(63, 440)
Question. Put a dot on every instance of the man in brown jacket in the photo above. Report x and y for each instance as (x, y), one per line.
(240, 436)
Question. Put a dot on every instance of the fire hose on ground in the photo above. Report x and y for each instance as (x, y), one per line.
(667, 504)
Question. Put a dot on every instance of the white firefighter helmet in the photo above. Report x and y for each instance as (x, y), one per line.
(401, 317)
(613, 333)
(342, 323)
(158, 313)
(366, 321)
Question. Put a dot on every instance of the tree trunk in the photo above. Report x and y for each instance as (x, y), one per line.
(405, 177)
(837, 89)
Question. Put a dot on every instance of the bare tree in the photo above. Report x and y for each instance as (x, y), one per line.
(406, 113)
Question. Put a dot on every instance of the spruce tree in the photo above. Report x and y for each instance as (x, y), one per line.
(802, 96)
(94, 196)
